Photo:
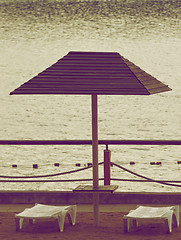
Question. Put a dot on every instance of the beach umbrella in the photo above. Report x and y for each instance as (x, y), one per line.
(93, 73)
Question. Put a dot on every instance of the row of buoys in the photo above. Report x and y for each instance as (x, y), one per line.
(154, 163)
(90, 164)
(36, 165)
(58, 164)
(84, 165)
(151, 163)
(132, 163)
(14, 165)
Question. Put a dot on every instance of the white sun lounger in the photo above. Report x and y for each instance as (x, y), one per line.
(42, 211)
(144, 212)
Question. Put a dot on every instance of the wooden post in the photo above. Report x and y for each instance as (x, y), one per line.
(95, 158)
(107, 157)
(95, 142)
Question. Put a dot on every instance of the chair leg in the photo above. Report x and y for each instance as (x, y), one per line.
(135, 223)
(125, 223)
(176, 212)
(21, 223)
(169, 221)
(174, 220)
(72, 215)
(32, 221)
(61, 220)
(74, 211)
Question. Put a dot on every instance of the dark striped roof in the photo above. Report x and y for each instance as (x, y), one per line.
(105, 73)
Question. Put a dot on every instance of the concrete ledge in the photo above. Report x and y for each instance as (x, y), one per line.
(69, 197)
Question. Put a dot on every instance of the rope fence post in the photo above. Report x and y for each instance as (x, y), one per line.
(107, 158)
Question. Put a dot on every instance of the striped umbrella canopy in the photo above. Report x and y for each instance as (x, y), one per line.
(93, 73)
(106, 73)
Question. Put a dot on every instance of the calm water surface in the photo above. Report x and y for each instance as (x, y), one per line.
(35, 34)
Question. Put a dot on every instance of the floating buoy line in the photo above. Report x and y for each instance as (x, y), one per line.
(45, 165)
(144, 178)
(36, 166)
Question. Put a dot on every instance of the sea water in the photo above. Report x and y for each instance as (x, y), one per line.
(34, 34)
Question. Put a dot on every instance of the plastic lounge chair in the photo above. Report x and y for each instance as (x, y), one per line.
(42, 211)
(144, 212)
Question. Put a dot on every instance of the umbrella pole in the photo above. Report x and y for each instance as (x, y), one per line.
(95, 158)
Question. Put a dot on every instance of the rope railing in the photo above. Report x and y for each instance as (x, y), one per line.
(48, 175)
(146, 179)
